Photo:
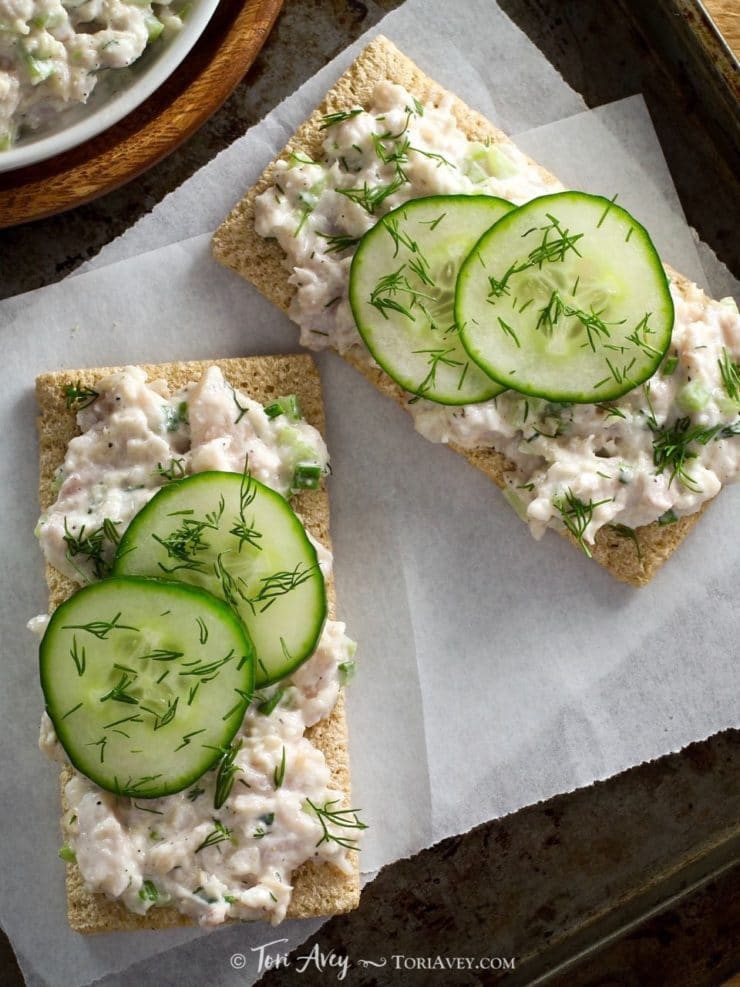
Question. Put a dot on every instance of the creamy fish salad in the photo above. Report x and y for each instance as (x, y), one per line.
(237, 861)
(52, 52)
(657, 453)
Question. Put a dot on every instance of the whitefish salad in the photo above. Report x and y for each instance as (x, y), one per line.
(181, 678)
(54, 52)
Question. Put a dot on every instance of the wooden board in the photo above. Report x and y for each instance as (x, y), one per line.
(726, 15)
(193, 92)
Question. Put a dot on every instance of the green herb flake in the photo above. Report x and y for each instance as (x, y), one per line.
(669, 366)
(278, 775)
(339, 818)
(288, 405)
(268, 705)
(77, 396)
(576, 515)
(148, 892)
(347, 671)
(332, 119)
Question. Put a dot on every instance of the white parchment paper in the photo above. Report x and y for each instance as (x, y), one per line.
(494, 671)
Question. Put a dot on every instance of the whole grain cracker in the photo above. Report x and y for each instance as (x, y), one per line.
(237, 245)
(319, 889)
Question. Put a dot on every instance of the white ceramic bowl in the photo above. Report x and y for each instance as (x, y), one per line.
(81, 122)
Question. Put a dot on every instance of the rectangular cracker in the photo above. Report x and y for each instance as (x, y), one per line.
(237, 245)
(319, 889)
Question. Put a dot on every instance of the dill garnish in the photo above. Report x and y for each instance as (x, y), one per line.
(219, 834)
(342, 818)
(225, 775)
(371, 198)
(332, 119)
(576, 515)
(78, 397)
(730, 375)
(671, 448)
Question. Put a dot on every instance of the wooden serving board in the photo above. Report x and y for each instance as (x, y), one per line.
(726, 15)
(196, 89)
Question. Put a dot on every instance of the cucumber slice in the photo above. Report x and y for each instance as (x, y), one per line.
(241, 541)
(565, 298)
(146, 682)
(402, 287)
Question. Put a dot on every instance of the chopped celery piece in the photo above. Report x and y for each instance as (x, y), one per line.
(148, 892)
(39, 69)
(67, 854)
(292, 439)
(489, 162)
(287, 405)
(693, 397)
(306, 477)
(154, 27)
(347, 671)
(669, 366)
(516, 502)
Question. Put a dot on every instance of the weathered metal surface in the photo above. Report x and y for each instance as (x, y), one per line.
(551, 882)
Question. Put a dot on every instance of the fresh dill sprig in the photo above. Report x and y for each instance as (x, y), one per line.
(78, 657)
(246, 532)
(186, 541)
(77, 396)
(549, 251)
(230, 587)
(337, 242)
(175, 470)
(439, 158)
(556, 307)
(642, 343)
(730, 375)
(219, 834)
(671, 448)
(278, 775)
(435, 357)
(332, 119)
(576, 515)
(242, 409)
(101, 628)
(552, 251)
(118, 693)
(206, 670)
(372, 197)
(341, 818)
(92, 546)
(278, 584)
(397, 155)
(611, 411)
(383, 296)
(225, 776)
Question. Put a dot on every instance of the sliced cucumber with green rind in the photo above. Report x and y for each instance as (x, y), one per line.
(241, 541)
(146, 682)
(565, 298)
(402, 289)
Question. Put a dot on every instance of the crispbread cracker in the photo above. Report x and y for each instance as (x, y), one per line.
(319, 889)
(237, 245)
